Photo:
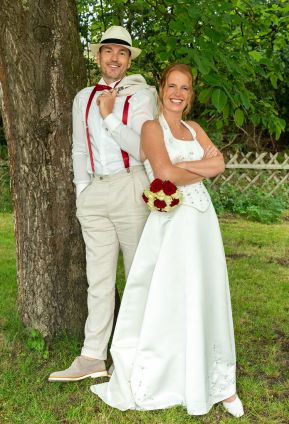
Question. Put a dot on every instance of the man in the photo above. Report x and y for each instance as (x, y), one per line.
(109, 179)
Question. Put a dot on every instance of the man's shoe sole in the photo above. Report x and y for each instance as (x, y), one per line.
(82, 377)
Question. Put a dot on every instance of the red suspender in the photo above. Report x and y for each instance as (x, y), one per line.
(86, 126)
(124, 154)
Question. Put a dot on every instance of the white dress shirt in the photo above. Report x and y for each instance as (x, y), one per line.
(108, 135)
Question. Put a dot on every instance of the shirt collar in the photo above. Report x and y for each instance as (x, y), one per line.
(110, 85)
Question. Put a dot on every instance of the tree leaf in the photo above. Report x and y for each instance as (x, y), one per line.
(219, 99)
(226, 111)
(244, 99)
(273, 79)
(256, 55)
(239, 117)
(219, 124)
(204, 95)
(202, 62)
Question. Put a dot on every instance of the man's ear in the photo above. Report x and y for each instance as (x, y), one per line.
(97, 58)
(129, 63)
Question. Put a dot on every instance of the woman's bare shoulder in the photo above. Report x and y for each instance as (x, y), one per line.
(202, 136)
(151, 124)
(194, 125)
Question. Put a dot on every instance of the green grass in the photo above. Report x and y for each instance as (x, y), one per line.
(258, 263)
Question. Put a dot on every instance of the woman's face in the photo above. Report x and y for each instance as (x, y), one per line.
(176, 92)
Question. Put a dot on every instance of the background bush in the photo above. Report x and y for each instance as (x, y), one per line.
(254, 203)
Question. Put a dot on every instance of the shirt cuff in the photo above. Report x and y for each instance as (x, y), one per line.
(80, 187)
(111, 122)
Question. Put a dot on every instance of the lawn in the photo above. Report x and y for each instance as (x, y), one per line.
(258, 264)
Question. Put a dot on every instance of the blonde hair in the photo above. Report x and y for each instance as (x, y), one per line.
(184, 69)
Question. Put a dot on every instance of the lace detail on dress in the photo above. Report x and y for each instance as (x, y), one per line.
(222, 377)
(141, 390)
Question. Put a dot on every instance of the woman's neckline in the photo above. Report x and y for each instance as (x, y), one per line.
(184, 124)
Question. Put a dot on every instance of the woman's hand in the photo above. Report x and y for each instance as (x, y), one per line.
(210, 152)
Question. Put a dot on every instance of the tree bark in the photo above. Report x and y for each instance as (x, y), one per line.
(41, 70)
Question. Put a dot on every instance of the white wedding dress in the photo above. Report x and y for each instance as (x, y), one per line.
(174, 341)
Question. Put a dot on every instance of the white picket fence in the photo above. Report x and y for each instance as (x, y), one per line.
(267, 170)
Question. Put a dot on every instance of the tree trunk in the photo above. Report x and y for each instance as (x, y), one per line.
(41, 69)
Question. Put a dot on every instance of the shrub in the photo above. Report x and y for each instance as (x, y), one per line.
(254, 203)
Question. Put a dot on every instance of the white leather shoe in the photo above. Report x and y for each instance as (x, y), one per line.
(235, 407)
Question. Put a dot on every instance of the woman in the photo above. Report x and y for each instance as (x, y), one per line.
(174, 341)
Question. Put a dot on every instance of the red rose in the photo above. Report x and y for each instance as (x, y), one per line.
(156, 185)
(169, 188)
(145, 198)
(160, 204)
(174, 202)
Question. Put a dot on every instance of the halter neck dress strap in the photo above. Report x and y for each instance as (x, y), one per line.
(191, 129)
(167, 131)
(165, 127)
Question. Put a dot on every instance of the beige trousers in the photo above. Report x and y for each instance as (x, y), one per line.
(112, 215)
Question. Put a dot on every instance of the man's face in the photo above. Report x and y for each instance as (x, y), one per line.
(114, 61)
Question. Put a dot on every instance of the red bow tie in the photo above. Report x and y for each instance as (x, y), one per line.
(101, 87)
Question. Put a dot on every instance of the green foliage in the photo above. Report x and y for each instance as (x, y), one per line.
(35, 342)
(252, 203)
(238, 51)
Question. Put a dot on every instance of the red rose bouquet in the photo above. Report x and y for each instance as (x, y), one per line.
(162, 196)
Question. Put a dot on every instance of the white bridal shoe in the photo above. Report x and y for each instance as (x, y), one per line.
(235, 407)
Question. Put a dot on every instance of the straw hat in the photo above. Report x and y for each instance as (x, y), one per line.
(116, 35)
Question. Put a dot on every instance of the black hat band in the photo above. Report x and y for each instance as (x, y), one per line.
(115, 41)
